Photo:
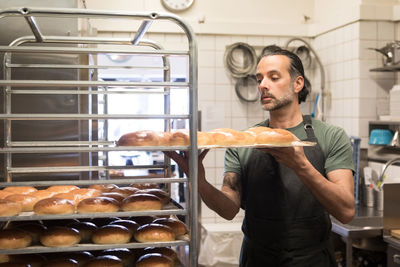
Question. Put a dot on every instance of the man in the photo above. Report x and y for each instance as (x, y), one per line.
(287, 193)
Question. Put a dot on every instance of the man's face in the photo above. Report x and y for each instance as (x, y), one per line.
(274, 82)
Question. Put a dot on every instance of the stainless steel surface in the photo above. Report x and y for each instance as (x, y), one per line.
(66, 45)
(393, 251)
(367, 223)
(391, 212)
(381, 179)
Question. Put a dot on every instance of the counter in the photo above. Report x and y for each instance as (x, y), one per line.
(367, 223)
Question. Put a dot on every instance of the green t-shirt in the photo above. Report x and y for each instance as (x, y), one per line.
(334, 142)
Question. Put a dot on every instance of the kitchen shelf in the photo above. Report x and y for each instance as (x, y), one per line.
(386, 69)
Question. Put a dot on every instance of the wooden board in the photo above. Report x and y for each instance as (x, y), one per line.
(396, 233)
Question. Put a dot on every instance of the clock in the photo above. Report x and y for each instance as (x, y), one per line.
(177, 5)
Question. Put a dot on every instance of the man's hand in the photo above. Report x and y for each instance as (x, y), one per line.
(183, 161)
(292, 157)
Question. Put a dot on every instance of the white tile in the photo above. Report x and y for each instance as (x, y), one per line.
(347, 112)
(355, 107)
(239, 123)
(239, 109)
(222, 76)
(347, 70)
(205, 220)
(347, 51)
(210, 175)
(209, 160)
(255, 41)
(365, 66)
(368, 88)
(239, 39)
(206, 212)
(356, 30)
(219, 158)
(219, 171)
(223, 92)
(206, 58)
(206, 75)
(206, 42)
(368, 30)
(222, 41)
(386, 30)
(339, 72)
(270, 40)
(367, 107)
(365, 51)
(206, 92)
(219, 59)
(347, 89)
(254, 109)
(339, 35)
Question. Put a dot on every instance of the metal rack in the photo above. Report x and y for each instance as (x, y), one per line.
(40, 44)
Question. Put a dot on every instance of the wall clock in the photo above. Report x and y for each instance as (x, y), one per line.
(177, 5)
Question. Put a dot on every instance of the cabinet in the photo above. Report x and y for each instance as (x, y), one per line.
(71, 91)
(380, 153)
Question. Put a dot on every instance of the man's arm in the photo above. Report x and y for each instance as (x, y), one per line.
(225, 202)
(336, 193)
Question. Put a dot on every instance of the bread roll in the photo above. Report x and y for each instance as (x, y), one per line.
(112, 234)
(131, 225)
(142, 220)
(86, 230)
(125, 255)
(42, 194)
(9, 208)
(4, 194)
(145, 186)
(176, 225)
(82, 257)
(59, 236)
(179, 138)
(103, 187)
(154, 233)
(258, 129)
(144, 138)
(204, 138)
(54, 205)
(116, 196)
(34, 229)
(219, 137)
(126, 191)
(105, 261)
(14, 239)
(27, 201)
(98, 204)
(166, 251)
(62, 188)
(101, 221)
(61, 263)
(138, 202)
(276, 137)
(154, 259)
(161, 194)
(20, 189)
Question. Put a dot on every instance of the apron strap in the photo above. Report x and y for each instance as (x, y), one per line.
(308, 127)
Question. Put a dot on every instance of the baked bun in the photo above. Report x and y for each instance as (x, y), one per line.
(144, 138)
(204, 138)
(98, 204)
(4, 194)
(83, 193)
(138, 202)
(234, 137)
(61, 263)
(176, 225)
(105, 261)
(154, 233)
(103, 187)
(86, 230)
(161, 194)
(154, 259)
(179, 138)
(258, 129)
(59, 236)
(125, 255)
(166, 251)
(35, 260)
(82, 257)
(101, 221)
(145, 186)
(9, 208)
(126, 191)
(20, 189)
(116, 196)
(142, 220)
(14, 239)
(34, 229)
(27, 201)
(42, 194)
(112, 234)
(131, 225)
(62, 188)
(54, 206)
(221, 137)
(275, 137)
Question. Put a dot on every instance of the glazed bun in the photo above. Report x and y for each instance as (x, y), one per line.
(220, 137)
(154, 259)
(131, 225)
(4, 194)
(20, 189)
(9, 208)
(42, 194)
(59, 236)
(103, 187)
(14, 239)
(98, 204)
(154, 233)
(166, 251)
(105, 261)
(86, 230)
(233, 137)
(61, 263)
(142, 220)
(35, 260)
(83, 193)
(161, 194)
(259, 129)
(126, 191)
(176, 225)
(34, 229)
(62, 188)
(138, 202)
(125, 255)
(275, 137)
(27, 201)
(112, 234)
(81, 257)
(116, 196)
(204, 139)
(144, 138)
(54, 205)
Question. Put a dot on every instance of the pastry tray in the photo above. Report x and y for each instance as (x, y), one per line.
(181, 241)
(171, 208)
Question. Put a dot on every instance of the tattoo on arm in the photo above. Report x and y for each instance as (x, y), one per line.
(232, 180)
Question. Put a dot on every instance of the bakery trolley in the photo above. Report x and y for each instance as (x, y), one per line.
(86, 88)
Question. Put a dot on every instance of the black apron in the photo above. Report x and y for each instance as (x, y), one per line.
(284, 225)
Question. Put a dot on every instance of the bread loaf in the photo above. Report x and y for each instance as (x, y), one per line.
(154, 259)
(54, 206)
(154, 233)
(14, 239)
(9, 207)
(59, 236)
(138, 202)
(112, 234)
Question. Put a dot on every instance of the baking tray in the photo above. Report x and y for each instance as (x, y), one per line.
(184, 240)
(172, 208)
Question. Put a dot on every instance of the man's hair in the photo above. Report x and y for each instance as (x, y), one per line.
(295, 69)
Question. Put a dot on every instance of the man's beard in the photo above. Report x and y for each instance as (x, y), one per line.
(276, 104)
